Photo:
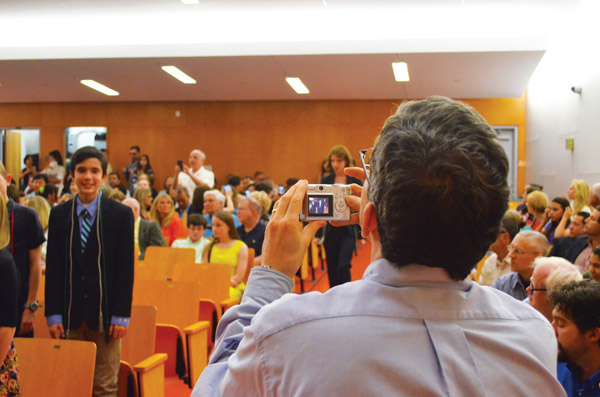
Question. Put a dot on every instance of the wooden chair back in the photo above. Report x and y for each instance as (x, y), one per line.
(159, 262)
(176, 301)
(55, 367)
(213, 278)
(138, 343)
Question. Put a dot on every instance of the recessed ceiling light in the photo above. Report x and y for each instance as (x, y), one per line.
(99, 87)
(188, 2)
(400, 71)
(178, 74)
(297, 85)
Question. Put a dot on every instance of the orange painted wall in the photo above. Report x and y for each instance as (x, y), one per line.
(281, 138)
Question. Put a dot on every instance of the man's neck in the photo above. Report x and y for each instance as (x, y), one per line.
(194, 170)
(589, 363)
(248, 227)
(595, 241)
(85, 200)
(501, 253)
(526, 274)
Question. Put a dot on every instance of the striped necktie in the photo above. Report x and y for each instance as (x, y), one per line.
(86, 227)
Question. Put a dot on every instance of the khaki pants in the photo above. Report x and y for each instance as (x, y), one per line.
(108, 359)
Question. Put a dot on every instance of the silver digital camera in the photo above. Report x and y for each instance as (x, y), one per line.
(326, 202)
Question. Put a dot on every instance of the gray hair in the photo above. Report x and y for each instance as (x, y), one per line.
(537, 239)
(218, 195)
(560, 272)
(133, 202)
(252, 204)
(202, 155)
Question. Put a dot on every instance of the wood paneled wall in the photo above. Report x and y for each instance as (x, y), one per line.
(282, 138)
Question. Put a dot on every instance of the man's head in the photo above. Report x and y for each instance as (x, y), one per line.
(114, 179)
(197, 226)
(594, 198)
(214, 201)
(576, 227)
(197, 158)
(508, 231)
(577, 321)
(549, 274)
(438, 162)
(259, 176)
(50, 193)
(249, 211)
(39, 183)
(134, 205)
(525, 248)
(591, 226)
(182, 198)
(595, 264)
(134, 152)
(88, 170)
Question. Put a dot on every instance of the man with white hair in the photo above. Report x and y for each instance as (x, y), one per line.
(145, 233)
(194, 175)
(252, 230)
(214, 201)
(549, 274)
(594, 200)
(525, 248)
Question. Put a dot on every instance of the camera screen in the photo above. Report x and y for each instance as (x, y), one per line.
(320, 205)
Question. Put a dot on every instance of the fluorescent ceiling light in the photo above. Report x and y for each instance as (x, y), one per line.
(297, 85)
(178, 74)
(188, 2)
(400, 71)
(99, 87)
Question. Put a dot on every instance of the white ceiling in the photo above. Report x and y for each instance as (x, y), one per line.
(242, 50)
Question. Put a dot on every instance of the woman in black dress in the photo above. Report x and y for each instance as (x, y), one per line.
(9, 382)
(340, 242)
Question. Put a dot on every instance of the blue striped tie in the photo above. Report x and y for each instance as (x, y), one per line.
(86, 227)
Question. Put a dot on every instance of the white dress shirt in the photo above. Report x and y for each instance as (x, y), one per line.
(204, 175)
(398, 331)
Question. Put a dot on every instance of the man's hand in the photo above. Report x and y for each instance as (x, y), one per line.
(26, 322)
(57, 331)
(186, 169)
(285, 244)
(354, 200)
(117, 331)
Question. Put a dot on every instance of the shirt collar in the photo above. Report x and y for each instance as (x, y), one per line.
(385, 272)
(593, 380)
(92, 207)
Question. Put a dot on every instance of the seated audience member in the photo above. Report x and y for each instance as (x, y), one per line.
(105, 190)
(571, 225)
(265, 202)
(579, 250)
(167, 184)
(50, 193)
(116, 195)
(516, 217)
(252, 230)
(9, 308)
(228, 249)
(236, 184)
(196, 224)
(526, 246)
(144, 182)
(42, 207)
(579, 195)
(246, 181)
(594, 199)
(114, 181)
(171, 226)
(552, 217)
(28, 172)
(39, 183)
(549, 275)
(577, 324)
(144, 197)
(197, 205)
(71, 191)
(214, 202)
(537, 202)
(522, 208)
(260, 176)
(594, 271)
(144, 168)
(498, 263)
(183, 204)
(145, 233)
(55, 170)
(412, 326)
(195, 174)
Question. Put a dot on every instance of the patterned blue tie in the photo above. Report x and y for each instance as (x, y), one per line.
(86, 227)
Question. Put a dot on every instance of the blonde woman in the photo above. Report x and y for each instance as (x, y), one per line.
(9, 382)
(42, 207)
(579, 194)
(171, 225)
(144, 197)
(537, 202)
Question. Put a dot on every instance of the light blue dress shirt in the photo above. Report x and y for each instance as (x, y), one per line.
(398, 331)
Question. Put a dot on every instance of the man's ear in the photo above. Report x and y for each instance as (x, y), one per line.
(370, 224)
(8, 179)
(593, 335)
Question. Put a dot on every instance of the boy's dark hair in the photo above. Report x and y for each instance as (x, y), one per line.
(264, 186)
(49, 190)
(583, 214)
(197, 220)
(85, 153)
(41, 176)
(115, 173)
(234, 181)
(579, 301)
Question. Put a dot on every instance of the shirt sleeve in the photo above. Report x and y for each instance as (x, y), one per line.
(35, 233)
(264, 286)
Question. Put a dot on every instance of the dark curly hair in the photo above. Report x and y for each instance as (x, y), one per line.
(579, 301)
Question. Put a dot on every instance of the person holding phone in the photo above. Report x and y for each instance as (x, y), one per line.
(194, 175)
